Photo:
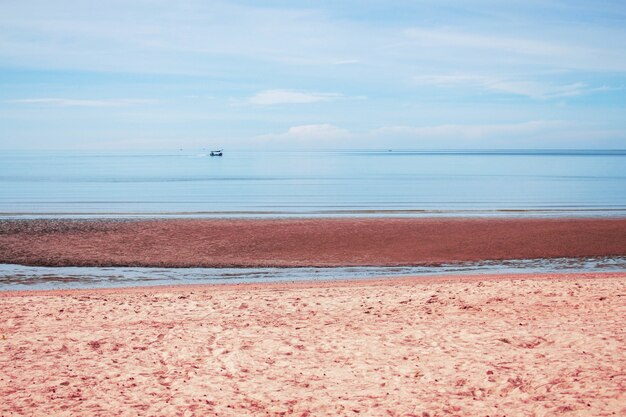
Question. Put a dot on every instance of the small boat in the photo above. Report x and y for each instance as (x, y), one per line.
(216, 153)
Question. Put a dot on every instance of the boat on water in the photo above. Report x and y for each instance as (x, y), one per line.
(216, 153)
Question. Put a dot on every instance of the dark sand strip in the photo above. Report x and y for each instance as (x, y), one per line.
(303, 242)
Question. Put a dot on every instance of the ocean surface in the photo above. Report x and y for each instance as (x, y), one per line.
(388, 183)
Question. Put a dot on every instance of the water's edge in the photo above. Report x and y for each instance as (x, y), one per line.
(20, 277)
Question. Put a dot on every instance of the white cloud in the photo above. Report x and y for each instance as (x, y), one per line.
(531, 54)
(414, 136)
(538, 90)
(465, 131)
(273, 97)
(319, 62)
(198, 37)
(444, 37)
(188, 37)
(313, 133)
(447, 80)
(532, 46)
(533, 133)
(70, 102)
(346, 62)
(532, 89)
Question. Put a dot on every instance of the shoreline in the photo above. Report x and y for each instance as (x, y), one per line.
(523, 213)
(309, 242)
(500, 343)
(28, 278)
(408, 280)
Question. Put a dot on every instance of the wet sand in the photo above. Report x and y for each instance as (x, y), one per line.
(538, 345)
(304, 242)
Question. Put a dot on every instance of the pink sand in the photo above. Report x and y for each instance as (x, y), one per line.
(510, 345)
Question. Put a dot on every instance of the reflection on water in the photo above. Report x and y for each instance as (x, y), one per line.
(314, 183)
(18, 277)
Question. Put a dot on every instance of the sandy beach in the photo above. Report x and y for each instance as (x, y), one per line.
(241, 208)
(517, 345)
(304, 242)
(500, 346)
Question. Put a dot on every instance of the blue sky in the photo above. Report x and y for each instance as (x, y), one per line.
(160, 74)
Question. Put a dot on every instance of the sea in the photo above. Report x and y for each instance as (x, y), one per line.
(258, 184)
(192, 183)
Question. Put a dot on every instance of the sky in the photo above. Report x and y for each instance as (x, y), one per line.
(369, 74)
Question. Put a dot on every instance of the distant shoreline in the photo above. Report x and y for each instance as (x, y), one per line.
(599, 212)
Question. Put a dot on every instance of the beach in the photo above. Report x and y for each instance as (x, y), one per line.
(536, 345)
(325, 208)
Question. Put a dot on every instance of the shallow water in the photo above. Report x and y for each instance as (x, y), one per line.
(18, 277)
(191, 183)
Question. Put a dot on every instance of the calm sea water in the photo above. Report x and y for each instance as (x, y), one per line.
(19, 277)
(314, 183)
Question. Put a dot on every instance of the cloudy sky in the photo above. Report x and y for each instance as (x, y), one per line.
(375, 74)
